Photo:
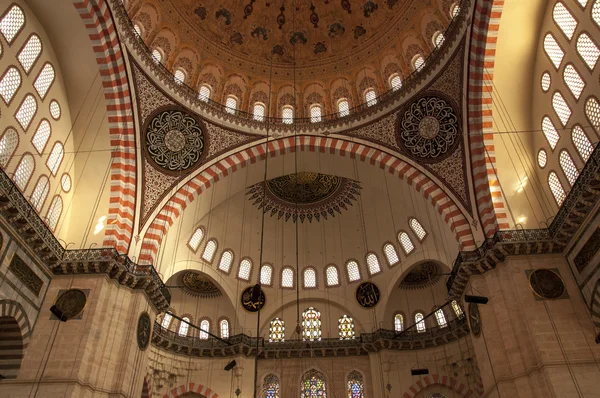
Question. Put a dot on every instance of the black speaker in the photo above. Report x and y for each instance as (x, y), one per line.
(476, 299)
(255, 293)
(58, 313)
(419, 372)
(230, 365)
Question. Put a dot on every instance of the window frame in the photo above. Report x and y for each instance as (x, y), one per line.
(214, 253)
(254, 115)
(385, 254)
(419, 239)
(10, 101)
(360, 274)
(36, 59)
(369, 253)
(12, 154)
(337, 270)
(42, 201)
(587, 33)
(199, 242)
(18, 32)
(59, 163)
(230, 265)
(406, 253)
(37, 108)
(294, 276)
(304, 278)
(237, 276)
(260, 271)
(30, 175)
(62, 208)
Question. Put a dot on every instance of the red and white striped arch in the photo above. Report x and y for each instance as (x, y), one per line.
(444, 204)
(109, 56)
(434, 379)
(491, 206)
(191, 387)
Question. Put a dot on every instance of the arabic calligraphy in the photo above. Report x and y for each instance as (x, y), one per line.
(474, 319)
(143, 331)
(367, 295)
(252, 304)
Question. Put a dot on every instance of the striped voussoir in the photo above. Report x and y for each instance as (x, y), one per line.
(147, 387)
(15, 332)
(109, 56)
(191, 387)
(433, 379)
(595, 305)
(444, 204)
(490, 202)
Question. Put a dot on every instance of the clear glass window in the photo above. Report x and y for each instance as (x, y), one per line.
(40, 193)
(30, 52)
(561, 108)
(553, 50)
(231, 105)
(596, 12)
(196, 238)
(395, 82)
(244, 269)
(315, 113)
(287, 277)
(457, 310)
(287, 114)
(204, 93)
(592, 111)
(582, 143)
(266, 275)
(204, 329)
(546, 81)
(157, 55)
(184, 326)
(391, 255)
(573, 80)
(370, 97)
(418, 62)
(12, 23)
(310, 278)
(417, 228)
(259, 112)
(398, 322)
(166, 321)
(373, 264)
(54, 212)
(343, 107)
(55, 109)
(10, 83)
(564, 19)
(65, 182)
(568, 167)
(179, 76)
(55, 158)
(542, 158)
(26, 111)
(406, 242)
(556, 187)
(438, 39)
(441, 318)
(224, 324)
(209, 250)
(333, 277)
(353, 271)
(24, 171)
(588, 50)
(454, 10)
(420, 322)
(41, 136)
(226, 261)
(550, 132)
(8, 144)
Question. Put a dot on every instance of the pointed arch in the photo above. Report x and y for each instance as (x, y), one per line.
(435, 379)
(191, 387)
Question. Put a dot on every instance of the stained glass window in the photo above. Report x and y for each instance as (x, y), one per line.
(373, 264)
(420, 322)
(209, 250)
(588, 50)
(226, 261)
(30, 52)
(205, 327)
(356, 385)
(391, 255)
(315, 113)
(184, 325)
(310, 278)
(311, 325)
(204, 93)
(259, 112)
(166, 322)
(346, 326)
(398, 322)
(406, 243)
(245, 269)
(441, 318)
(224, 325)
(9, 84)
(582, 143)
(457, 310)
(332, 276)
(196, 238)
(353, 271)
(313, 385)
(276, 330)
(40, 192)
(287, 277)
(271, 386)
(343, 107)
(370, 97)
(266, 275)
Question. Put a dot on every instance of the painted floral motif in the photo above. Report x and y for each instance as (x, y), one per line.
(369, 8)
(359, 31)
(320, 47)
(225, 14)
(336, 29)
(298, 37)
(236, 38)
(200, 12)
(259, 33)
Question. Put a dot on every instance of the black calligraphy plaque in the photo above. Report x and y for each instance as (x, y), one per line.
(474, 319)
(367, 295)
(249, 303)
(26, 275)
(144, 331)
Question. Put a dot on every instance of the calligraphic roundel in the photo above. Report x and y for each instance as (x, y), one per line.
(367, 295)
(252, 302)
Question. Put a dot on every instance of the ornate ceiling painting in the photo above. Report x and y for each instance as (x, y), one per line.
(198, 285)
(421, 275)
(305, 196)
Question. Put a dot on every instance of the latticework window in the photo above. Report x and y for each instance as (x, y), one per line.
(40, 138)
(420, 322)
(40, 192)
(370, 97)
(226, 261)
(8, 144)
(30, 52)
(157, 55)
(346, 327)
(353, 271)
(391, 255)
(588, 50)
(179, 76)
(287, 114)
(184, 325)
(231, 105)
(276, 330)
(196, 238)
(417, 228)
(266, 275)
(418, 62)
(55, 158)
(564, 19)
(315, 113)
(373, 264)
(395, 82)
(204, 93)
(54, 212)
(583, 3)
(561, 108)
(287, 277)
(224, 326)
(204, 329)
(26, 111)
(550, 132)
(209, 250)
(553, 50)
(454, 10)
(582, 143)
(311, 325)
(343, 107)
(166, 321)
(10, 83)
(457, 310)
(259, 112)
(406, 242)
(592, 111)
(356, 385)
(137, 29)
(310, 278)
(313, 385)
(55, 111)
(573, 80)
(244, 269)
(24, 171)
(398, 322)
(546, 81)
(332, 276)
(542, 158)
(568, 167)
(441, 318)
(12, 23)
(271, 386)
(438, 39)
(556, 187)
(65, 182)
(596, 12)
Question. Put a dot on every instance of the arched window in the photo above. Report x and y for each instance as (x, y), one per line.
(245, 269)
(8, 144)
(582, 143)
(353, 271)
(266, 275)
(157, 55)
(568, 167)
(346, 327)
(588, 50)
(418, 62)
(417, 228)
(137, 29)
(438, 39)
(564, 19)
(12, 23)
(406, 242)
(271, 386)
(55, 109)
(276, 330)
(226, 261)
(30, 52)
(546, 81)
(542, 158)
(196, 238)
(573, 80)
(550, 132)
(259, 112)
(287, 114)
(40, 193)
(224, 326)
(54, 212)
(583, 3)
(561, 108)
(395, 82)
(204, 93)
(184, 325)
(454, 10)
(556, 187)
(356, 385)
(204, 329)
(23, 172)
(553, 50)
(287, 277)
(457, 310)
(311, 325)
(315, 113)
(40, 138)
(310, 278)
(313, 385)
(420, 322)
(55, 158)
(332, 276)
(209, 250)
(373, 264)
(26, 111)
(343, 107)
(179, 76)
(592, 111)
(398, 322)
(166, 321)
(9, 84)
(391, 255)
(370, 97)
(231, 104)
(441, 318)
(596, 12)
